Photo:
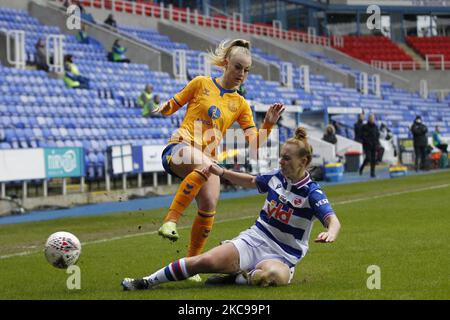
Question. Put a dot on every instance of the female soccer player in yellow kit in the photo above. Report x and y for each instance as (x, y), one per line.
(213, 106)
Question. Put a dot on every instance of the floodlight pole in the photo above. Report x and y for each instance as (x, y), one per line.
(108, 182)
(139, 180)
(45, 187)
(24, 190)
(64, 186)
(124, 181)
(82, 184)
(155, 179)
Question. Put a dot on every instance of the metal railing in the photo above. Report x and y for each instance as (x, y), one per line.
(188, 16)
(286, 74)
(304, 78)
(363, 83)
(424, 89)
(55, 48)
(204, 64)
(338, 41)
(395, 65)
(438, 60)
(179, 64)
(19, 58)
(376, 85)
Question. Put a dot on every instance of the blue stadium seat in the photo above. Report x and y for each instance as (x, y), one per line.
(5, 145)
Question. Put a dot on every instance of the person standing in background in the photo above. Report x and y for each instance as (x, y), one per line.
(370, 141)
(419, 132)
(357, 127)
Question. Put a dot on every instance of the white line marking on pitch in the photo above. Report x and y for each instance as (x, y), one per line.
(26, 253)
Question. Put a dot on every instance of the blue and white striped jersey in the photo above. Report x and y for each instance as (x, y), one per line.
(289, 212)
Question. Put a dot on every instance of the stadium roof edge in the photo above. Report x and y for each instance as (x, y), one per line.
(310, 3)
(384, 8)
(389, 9)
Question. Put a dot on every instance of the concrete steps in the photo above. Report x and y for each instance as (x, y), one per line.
(414, 55)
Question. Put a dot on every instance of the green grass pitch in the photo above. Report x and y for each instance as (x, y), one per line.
(401, 225)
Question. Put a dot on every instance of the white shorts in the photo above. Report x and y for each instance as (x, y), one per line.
(253, 249)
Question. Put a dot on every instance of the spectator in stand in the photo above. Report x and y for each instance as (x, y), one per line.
(118, 53)
(72, 77)
(41, 55)
(370, 141)
(156, 100)
(145, 98)
(358, 128)
(82, 36)
(419, 132)
(330, 135)
(110, 22)
(149, 102)
(151, 106)
(437, 140)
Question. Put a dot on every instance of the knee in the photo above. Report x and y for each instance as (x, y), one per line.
(208, 201)
(206, 262)
(208, 204)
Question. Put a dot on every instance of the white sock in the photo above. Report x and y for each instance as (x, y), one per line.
(175, 271)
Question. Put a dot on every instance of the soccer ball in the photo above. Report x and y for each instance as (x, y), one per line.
(62, 249)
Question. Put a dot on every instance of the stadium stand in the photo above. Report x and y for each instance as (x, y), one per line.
(397, 107)
(436, 48)
(216, 21)
(37, 111)
(376, 48)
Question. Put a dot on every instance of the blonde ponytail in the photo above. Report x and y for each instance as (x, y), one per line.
(227, 48)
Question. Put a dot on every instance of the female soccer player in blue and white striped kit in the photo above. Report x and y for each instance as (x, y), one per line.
(266, 253)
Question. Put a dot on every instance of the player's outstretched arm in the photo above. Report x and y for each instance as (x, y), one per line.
(242, 179)
(331, 234)
(257, 138)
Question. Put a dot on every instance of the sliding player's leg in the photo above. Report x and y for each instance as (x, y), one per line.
(221, 259)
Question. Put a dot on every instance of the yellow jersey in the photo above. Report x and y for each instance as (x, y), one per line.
(211, 110)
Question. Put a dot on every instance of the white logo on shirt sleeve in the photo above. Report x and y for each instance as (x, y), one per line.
(322, 202)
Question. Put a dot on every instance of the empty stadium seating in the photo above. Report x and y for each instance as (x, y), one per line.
(37, 111)
(434, 47)
(376, 48)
